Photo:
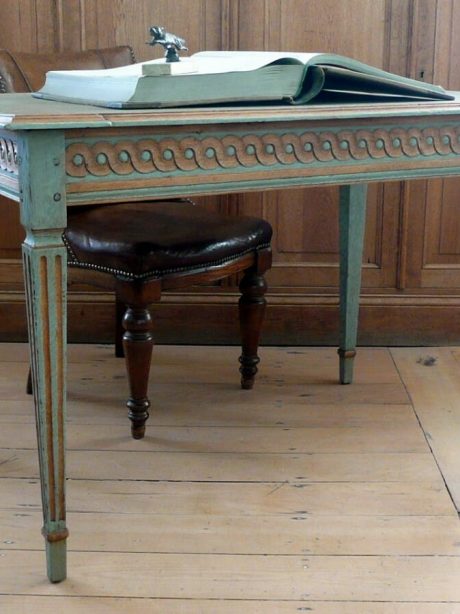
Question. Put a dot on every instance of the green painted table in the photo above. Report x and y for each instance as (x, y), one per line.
(55, 155)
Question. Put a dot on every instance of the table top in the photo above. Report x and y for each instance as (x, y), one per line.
(24, 112)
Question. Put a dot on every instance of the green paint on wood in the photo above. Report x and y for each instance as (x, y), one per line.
(352, 222)
(43, 215)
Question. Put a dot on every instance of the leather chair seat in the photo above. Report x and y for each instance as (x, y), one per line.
(153, 239)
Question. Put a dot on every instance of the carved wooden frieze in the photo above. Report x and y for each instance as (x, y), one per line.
(189, 153)
(3, 87)
(8, 155)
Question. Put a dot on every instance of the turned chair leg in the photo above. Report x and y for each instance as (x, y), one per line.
(251, 311)
(138, 345)
(120, 309)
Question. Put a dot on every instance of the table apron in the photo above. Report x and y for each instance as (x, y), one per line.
(106, 166)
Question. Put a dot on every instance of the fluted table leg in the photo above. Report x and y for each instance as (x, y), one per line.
(43, 215)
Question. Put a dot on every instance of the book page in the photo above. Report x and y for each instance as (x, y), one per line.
(205, 62)
(239, 61)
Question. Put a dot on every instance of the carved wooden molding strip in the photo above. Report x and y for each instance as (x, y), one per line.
(8, 156)
(211, 153)
(3, 88)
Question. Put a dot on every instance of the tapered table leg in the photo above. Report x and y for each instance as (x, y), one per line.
(43, 215)
(352, 219)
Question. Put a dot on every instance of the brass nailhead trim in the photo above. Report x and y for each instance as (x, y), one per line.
(74, 262)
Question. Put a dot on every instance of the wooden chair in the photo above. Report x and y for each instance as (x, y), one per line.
(148, 247)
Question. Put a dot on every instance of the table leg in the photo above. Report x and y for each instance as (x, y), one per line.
(352, 223)
(43, 215)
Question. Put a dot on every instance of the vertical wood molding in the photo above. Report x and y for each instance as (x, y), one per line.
(266, 22)
(443, 43)
(403, 36)
(82, 6)
(398, 34)
(422, 47)
(399, 25)
(233, 15)
(59, 30)
(73, 25)
(404, 225)
(225, 24)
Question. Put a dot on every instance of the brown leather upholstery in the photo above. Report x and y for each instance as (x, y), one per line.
(144, 240)
(25, 72)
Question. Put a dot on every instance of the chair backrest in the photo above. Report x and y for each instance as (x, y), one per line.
(25, 72)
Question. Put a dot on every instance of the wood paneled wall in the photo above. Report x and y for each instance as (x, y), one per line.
(411, 274)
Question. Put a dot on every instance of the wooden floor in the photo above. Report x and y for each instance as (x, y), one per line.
(300, 496)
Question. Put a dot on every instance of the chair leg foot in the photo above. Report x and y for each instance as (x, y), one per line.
(248, 370)
(138, 413)
(252, 306)
(138, 346)
(138, 432)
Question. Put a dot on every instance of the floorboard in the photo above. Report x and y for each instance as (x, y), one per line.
(302, 495)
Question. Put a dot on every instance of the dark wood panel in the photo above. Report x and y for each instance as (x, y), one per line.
(305, 242)
(412, 249)
(314, 322)
(119, 22)
(432, 223)
(11, 232)
(449, 231)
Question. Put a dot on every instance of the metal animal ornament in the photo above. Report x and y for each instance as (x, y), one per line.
(171, 43)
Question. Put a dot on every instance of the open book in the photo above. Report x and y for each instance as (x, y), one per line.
(216, 77)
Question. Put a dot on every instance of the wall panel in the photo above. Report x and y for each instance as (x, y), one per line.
(434, 250)
(412, 250)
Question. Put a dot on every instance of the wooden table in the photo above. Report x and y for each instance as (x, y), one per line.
(54, 155)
